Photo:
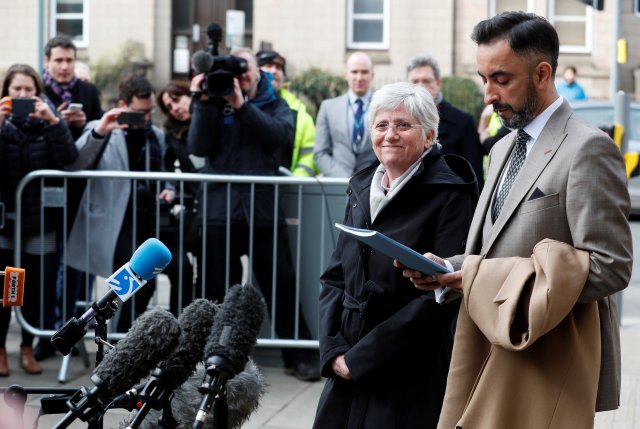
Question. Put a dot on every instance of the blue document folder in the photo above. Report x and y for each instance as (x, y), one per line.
(409, 257)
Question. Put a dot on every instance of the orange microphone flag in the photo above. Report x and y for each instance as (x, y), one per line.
(13, 286)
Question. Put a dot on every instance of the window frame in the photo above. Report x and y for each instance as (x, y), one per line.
(384, 16)
(493, 8)
(588, 26)
(84, 16)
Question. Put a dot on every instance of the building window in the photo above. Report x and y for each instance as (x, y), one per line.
(368, 24)
(70, 17)
(572, 21)
(498, 6)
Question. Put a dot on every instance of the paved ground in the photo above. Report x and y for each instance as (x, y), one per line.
(291, 404)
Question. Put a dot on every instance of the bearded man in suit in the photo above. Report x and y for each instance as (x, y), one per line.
(552, 177)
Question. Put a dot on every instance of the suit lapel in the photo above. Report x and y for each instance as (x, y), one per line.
(341, 116)
(497, 160)
(541, 154)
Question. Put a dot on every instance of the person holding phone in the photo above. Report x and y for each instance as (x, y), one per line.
(124, 139)
(33, 136)
(78, 102)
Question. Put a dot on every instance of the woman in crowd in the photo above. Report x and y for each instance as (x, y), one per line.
(174, 102)
(28, 142)
(385, 346)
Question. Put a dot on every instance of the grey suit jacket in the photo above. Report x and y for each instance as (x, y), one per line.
(571, 188)
(104, 202)
(332, 151)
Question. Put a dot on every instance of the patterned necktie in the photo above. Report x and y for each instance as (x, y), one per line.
(358, 127)
(517, 159)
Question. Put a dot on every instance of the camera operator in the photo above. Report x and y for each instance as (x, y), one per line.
(241, 133)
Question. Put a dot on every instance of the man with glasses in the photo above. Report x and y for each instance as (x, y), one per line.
(343, 145)
(124, 139)
(456, 132)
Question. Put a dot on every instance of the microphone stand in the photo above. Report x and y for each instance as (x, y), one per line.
(83, 404)
(213, 389)
(167, 421)
(221, 412)
(101, 336)
(157, 394)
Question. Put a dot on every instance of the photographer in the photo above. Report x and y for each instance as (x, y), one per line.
(33, 136)
(124, 139)
(241, 133)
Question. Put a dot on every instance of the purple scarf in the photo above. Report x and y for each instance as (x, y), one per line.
(63, 90)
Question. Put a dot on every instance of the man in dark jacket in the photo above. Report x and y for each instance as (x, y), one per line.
(65, 90)
(457, 132)
(240, 134)
(78, 102)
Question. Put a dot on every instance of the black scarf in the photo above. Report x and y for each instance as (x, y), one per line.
(137, 140)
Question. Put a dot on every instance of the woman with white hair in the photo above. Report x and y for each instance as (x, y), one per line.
(385, 346)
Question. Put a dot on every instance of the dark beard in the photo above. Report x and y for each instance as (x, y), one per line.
(523, 117)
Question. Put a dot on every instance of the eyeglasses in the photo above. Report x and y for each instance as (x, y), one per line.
(401, 127)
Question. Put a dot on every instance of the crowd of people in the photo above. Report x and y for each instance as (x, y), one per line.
(398, 348)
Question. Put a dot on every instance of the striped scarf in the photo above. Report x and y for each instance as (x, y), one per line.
(63, 90)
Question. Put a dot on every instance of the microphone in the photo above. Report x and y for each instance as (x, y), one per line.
(201, 62)
(196, 320)
(147, 262)
(13, 286)
(235, 329)
(151, 339)
(214, 32)
(244, 392)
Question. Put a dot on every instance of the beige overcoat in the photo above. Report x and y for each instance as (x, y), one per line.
(518, 320)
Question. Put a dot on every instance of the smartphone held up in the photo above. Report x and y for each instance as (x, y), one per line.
(132, 119)
(22, 107)
(19, 107)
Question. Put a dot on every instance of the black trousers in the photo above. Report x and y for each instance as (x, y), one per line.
(262, 266)
(137, 304)
(181, 294)
(32, 293)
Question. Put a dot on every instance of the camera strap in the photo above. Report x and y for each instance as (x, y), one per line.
(101, 151)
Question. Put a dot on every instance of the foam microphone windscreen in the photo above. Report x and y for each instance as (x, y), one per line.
(150, 259)
(152, 338)
(244, 392)
(201, 62)
(13, 287)
(236, 326)
(196, 320)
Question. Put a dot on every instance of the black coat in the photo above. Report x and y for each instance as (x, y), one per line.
(24, 149)
(85, 93)
(246, 142)
(396, 339)
(458, 134)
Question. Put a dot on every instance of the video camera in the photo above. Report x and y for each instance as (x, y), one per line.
(220, 69)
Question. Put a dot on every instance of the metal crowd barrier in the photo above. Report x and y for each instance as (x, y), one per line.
(311, 206)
